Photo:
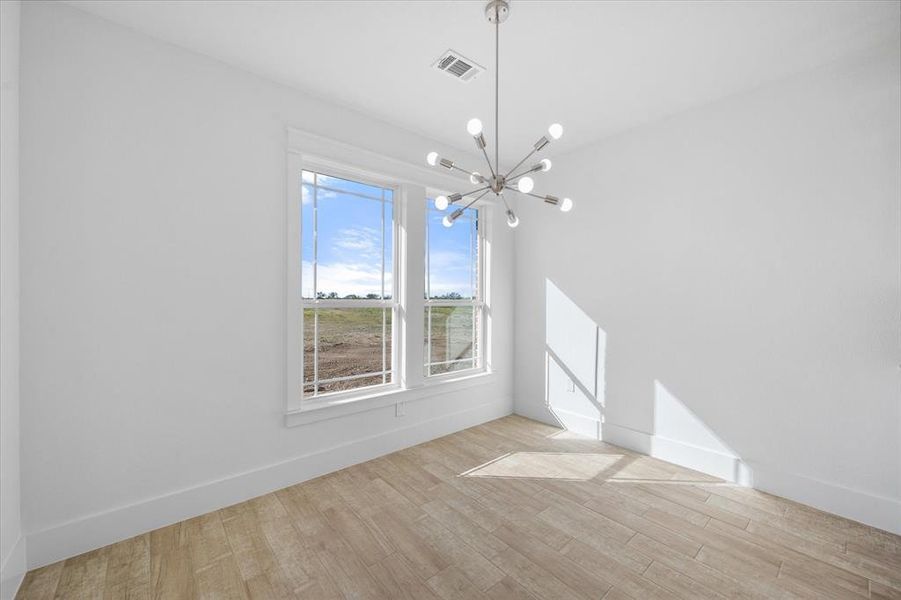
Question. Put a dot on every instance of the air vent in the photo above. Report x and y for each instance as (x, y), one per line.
(458, 66)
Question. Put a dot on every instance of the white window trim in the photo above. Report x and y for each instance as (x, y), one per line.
(412, 182)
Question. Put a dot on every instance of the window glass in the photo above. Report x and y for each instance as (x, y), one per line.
(347, 253)
(453, 307)
(452, 255)
(451, 338)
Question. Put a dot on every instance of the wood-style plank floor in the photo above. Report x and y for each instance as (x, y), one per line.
(509, 509)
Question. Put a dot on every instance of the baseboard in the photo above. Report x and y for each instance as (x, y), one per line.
(582, 424)
(98, 530)
(536, 412)
(628, 438)
(725, 466)
(13, 570)
(870, 509)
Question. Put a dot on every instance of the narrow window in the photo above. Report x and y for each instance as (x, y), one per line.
(453, 295)
(347, 250)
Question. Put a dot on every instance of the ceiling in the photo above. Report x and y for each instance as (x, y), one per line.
(596, 67)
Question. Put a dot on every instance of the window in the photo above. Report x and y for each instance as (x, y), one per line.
(383, 304)
(347, 262)
(453, 298)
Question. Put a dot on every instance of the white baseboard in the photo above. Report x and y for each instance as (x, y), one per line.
(725, 466)
(864, 507)
(626, 437)
(98, 530)
(536, 412)
(582, 424)
(705, 460)
(13, 570)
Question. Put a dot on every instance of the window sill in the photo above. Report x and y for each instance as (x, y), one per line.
(343, 406)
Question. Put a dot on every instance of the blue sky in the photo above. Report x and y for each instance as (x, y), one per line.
(351, 237)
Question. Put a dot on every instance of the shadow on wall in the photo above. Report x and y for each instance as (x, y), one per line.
(681, 437)
(575, 359)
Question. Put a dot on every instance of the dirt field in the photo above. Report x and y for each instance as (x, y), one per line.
(350, 342)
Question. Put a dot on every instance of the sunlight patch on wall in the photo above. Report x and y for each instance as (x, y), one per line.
(575, 349)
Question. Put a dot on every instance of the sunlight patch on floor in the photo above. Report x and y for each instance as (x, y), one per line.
(546, 465)
(565, 434)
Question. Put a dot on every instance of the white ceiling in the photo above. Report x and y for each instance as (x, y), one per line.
(596, 67)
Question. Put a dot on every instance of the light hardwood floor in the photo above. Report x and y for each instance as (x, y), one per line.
(509, 509)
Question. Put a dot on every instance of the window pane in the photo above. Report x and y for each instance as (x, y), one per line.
(306, 239)
(352, 342)
(451, 338)
(388, 232)
(345, 185)
(347, 242)
(308, 350)
(452, 255)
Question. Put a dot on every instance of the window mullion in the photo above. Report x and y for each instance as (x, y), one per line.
(413, 257)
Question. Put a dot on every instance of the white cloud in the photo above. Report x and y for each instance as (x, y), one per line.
(306, 195)
(363, 241)
(344, 279)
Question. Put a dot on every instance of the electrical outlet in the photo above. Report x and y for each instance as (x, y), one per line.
(400, 409)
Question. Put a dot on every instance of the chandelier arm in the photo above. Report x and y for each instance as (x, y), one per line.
(488, 160)
(476, 199)
(462, 170)
(484, 191)
(511, 188)
(529, 155)
(512, 178)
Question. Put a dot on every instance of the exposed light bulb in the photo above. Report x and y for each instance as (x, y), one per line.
(474, 127)
(525, 186)
(447, 221)
(512, 219)
(476, 178)
(441, 202)
(432, 158)
(555, 131)
(546, 164)
(566, 205)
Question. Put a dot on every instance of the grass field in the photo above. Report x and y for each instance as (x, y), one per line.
(351, 343)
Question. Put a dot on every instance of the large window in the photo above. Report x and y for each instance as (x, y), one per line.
(384, 305)
(453, 296)
(347, 262)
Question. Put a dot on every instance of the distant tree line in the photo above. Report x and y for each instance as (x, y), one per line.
(335, 296)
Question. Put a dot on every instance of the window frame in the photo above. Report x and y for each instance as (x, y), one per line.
(414, 182)
(477, 303)
(315, 302)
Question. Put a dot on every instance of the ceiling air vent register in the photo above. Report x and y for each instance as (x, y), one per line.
(458, 66)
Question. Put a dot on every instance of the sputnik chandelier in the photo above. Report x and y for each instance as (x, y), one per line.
(497, 12)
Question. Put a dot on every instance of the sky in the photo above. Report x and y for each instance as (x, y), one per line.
(351, 237)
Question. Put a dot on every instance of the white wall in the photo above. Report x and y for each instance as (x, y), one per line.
(12, 544)
(153, 274)
(741, 262)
